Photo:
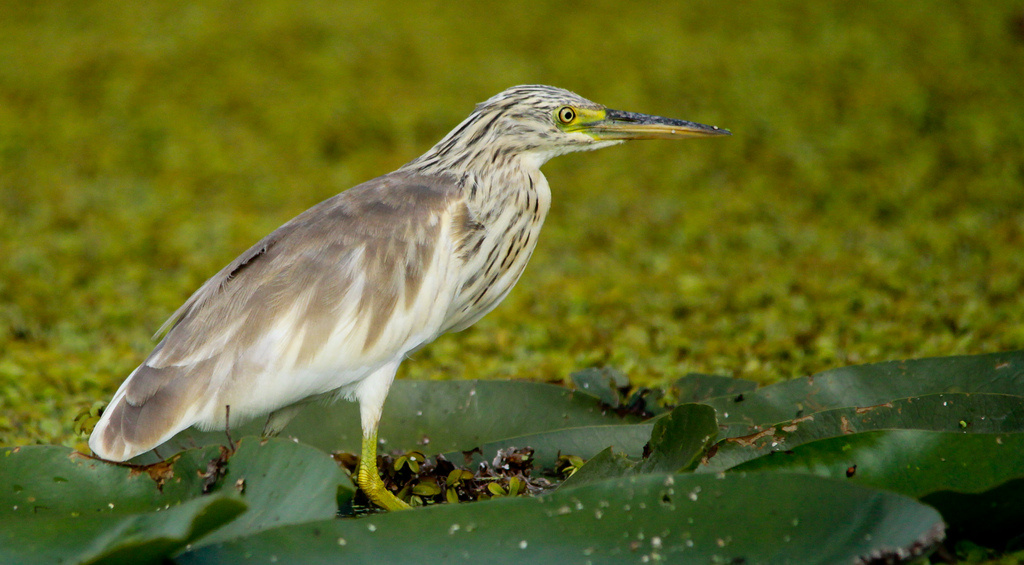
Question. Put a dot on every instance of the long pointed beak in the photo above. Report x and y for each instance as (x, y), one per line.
(629, 125)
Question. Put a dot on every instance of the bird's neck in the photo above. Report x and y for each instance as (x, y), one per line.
(483, 146)
(517, 187)
(493, 175)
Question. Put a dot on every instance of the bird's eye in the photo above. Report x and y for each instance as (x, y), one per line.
(566, 115)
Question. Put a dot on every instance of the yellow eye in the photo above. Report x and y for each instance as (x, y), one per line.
(566, 114)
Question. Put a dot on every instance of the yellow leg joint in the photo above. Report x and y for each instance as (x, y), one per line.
(370, 482)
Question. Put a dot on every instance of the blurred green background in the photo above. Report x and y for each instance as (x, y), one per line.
(869, 206)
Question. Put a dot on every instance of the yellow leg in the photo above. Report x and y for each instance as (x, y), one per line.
(370, 482)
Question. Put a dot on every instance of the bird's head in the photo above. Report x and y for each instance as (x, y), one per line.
(535, 123)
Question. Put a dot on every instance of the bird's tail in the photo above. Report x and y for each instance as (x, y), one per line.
(142, 416)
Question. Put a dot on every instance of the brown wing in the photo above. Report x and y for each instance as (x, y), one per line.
(385, 231)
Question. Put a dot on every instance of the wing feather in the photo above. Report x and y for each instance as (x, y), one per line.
(340, 272)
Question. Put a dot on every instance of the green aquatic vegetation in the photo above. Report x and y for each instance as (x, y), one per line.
(868, 206)
(845, 482)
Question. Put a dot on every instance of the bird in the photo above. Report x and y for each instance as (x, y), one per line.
(330, 303)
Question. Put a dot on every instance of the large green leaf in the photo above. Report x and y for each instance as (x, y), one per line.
(911, 462)
(678, 440)
(585, 442)
(283, 482)
(114, 537)
(57, 506)
(992, 518)
(436, 416)
(946, 430)
(695, 387)
(953, 412)
(56, 481)
(605, 383)
(758, 518)
(60, 506)
(951, 470)
(869, 385)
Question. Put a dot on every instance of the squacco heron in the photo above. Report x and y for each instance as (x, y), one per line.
(332, 301)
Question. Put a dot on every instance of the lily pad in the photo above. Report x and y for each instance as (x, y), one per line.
(696, 387)
(758, 518)
(608, 464)
(585, 442)
(677, 443)
(951, 412)
(605, 383)
(950, 470)
(993, 518)
(283, 482)
(60, 506)
(680, 439)
(870, 385)
(44, 480)
(114, 537)
(435, 416)
(911, 462)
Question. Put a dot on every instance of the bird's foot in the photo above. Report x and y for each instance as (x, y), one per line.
(372, 485)
(369, 480)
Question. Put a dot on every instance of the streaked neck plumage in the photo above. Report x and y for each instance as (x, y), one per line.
(506, 139)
